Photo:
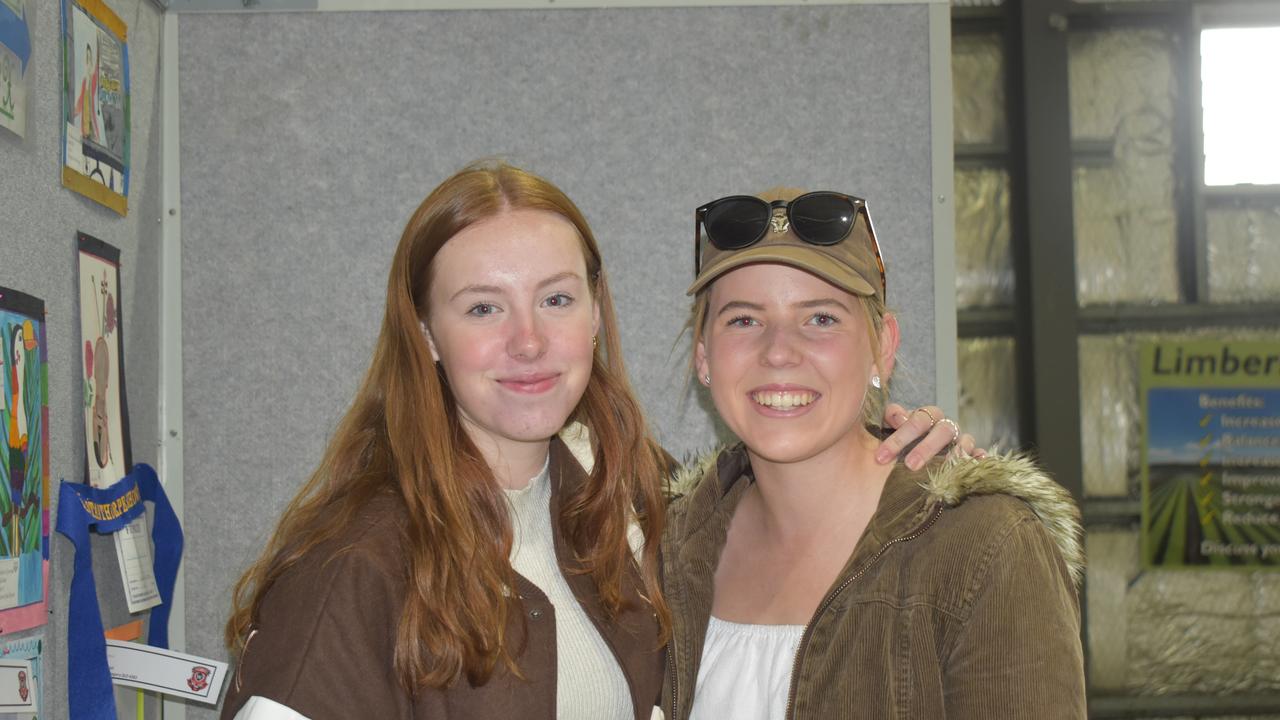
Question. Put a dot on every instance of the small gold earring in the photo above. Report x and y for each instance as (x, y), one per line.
(595, 342)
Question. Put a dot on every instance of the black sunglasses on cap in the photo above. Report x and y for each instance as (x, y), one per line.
(821, 218)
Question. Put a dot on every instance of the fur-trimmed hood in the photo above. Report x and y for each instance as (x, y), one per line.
(946, 482)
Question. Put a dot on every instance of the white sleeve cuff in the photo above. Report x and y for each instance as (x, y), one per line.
(260, 708)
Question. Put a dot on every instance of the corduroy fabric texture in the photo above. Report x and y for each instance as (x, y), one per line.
(957, 602)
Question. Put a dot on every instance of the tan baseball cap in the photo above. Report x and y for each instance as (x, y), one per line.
(852, 264)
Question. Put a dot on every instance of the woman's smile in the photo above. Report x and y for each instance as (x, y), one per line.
(530, 383)
(783, 400)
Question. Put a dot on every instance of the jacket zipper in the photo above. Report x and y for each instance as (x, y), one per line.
(671, 663)
(830, 598)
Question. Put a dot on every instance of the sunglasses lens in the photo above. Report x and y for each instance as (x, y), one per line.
(735, 223)
(822, 219)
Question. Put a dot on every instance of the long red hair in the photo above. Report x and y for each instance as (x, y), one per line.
(402, 436)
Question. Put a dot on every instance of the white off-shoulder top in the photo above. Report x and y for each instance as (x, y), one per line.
(745, 672)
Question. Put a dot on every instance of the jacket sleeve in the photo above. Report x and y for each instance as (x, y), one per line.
(324, 642)
(1018, 653)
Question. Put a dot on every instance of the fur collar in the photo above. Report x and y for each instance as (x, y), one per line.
(950, 482)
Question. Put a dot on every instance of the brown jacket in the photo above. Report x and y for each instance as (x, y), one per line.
(959, 600)
(326, 633)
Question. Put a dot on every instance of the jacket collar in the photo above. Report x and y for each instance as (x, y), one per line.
(715, 482)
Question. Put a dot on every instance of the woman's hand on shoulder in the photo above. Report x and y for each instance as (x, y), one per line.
(935, 431)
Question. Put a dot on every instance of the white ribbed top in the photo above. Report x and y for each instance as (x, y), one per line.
(589, 683)
(745, 672)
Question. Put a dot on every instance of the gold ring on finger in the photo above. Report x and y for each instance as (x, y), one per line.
(932, 420)
(955, 429)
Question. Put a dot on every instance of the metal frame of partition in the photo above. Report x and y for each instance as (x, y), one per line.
(1046, 320)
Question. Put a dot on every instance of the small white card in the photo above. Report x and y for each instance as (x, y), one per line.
(166, 671)
(9, 582)
(17, 687)
(133, 550)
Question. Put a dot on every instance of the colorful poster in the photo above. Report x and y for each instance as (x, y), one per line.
(24, 463)
(106, 419)
(95, 103)
(1211, 454)
(15, 51)
(20, 696)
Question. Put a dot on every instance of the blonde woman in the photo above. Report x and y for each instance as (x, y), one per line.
(806, 579)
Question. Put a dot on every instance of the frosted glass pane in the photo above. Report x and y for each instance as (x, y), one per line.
(977, 77)
(1109, 430)
(1178, 632)
(1123, 91)
(1204, 631)
(984, 264)
(989, 391)
(1244, 251)
(1114, 561)
(1122, 83)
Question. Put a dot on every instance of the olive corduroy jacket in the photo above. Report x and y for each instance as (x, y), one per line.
(959, 600)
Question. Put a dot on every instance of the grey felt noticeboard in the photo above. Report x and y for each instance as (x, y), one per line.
(308, 139)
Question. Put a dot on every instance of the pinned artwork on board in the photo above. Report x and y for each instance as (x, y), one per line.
(106, 418)
(21, 679)
(15, 51)
(24, 464)
(95, 103)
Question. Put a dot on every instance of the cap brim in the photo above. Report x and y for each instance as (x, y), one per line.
(809, 259)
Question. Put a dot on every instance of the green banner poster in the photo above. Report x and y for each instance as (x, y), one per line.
(1211, 454)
